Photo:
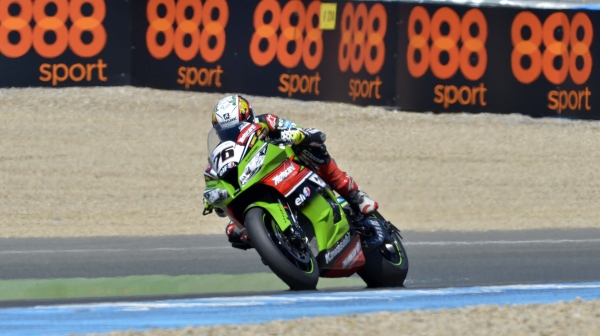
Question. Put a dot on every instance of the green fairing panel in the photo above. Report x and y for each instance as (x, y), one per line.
(320, 214)
(218, 184)
(276, 211)
(275, 155)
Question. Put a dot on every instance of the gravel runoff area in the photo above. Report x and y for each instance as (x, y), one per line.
(571, 318)
(123, 161)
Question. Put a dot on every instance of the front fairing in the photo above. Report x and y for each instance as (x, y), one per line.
(300, 193)
(230, 181)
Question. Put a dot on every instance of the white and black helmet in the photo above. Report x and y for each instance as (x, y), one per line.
(232, 110)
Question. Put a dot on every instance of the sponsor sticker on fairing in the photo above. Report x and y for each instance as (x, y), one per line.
(300, 199)
(352, 256)
(283, 175)
(317, 180)
(303, 196)
(330, 255)
(306, 191)
(254, 165)
(246, 132)
(226, 167)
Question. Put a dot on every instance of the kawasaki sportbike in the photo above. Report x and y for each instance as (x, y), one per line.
(293, 218)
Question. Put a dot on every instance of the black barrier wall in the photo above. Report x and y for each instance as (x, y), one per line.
(336, 51)
(536, 62)
(65, 43)
(420, 57)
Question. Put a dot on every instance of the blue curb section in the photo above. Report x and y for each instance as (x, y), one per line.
(169, 314)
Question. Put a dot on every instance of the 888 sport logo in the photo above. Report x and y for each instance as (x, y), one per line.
(50, 27)
(291, 33)
(361, 45)
(445, 43)
(188, 28)
(558, 48)
(50, 35)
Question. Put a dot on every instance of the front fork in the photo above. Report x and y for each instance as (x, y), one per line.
(297, 235)
(285, 218)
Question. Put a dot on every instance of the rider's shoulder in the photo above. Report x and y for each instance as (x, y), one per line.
(269, 119)
(274, 122)
(264, 117)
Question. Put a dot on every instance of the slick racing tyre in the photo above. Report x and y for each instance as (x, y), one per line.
(385, 266)
(297, 267)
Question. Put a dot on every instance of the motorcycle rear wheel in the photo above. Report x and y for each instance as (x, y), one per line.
(295, 266)
(385, 266)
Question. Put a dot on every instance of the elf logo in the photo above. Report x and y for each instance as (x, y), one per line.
(303, 196)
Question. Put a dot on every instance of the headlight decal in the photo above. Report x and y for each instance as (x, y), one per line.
(254, 165)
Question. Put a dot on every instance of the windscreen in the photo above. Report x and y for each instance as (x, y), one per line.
(223, 151)
(218, 135)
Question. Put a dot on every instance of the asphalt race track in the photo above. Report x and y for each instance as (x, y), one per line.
(438, 259)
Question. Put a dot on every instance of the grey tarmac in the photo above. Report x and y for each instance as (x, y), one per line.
(437, 259)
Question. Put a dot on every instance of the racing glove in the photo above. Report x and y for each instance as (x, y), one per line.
(314, 137)
(290, 136)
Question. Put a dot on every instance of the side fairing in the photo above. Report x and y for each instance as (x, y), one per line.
(320, 213)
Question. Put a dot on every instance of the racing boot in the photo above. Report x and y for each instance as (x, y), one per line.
(360, 199)
(345, 186)
(237, 237)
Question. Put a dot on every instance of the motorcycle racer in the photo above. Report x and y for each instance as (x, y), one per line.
(307, 143)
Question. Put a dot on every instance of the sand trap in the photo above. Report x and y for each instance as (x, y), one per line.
(129, 161)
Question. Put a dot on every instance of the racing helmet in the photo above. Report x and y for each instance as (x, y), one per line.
(232, 110)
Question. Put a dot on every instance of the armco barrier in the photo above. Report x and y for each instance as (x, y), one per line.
(416, 56)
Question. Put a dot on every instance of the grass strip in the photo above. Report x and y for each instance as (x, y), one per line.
(26, 289)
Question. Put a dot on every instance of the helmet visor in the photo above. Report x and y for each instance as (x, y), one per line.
(219, 134)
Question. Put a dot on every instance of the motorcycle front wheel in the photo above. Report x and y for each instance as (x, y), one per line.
(386, 266)
(294, 265)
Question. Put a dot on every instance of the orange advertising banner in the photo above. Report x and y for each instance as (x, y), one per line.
(60, 42)
(313, 50)
(537, 62)
(413, 56)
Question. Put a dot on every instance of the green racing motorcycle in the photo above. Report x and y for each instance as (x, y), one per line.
(293, 219)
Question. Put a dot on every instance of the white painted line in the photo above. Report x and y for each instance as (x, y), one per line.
(501, 242)
(423, 243)
(115, 250)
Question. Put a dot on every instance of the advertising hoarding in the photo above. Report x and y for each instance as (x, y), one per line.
(64, 43)
(497, 59)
